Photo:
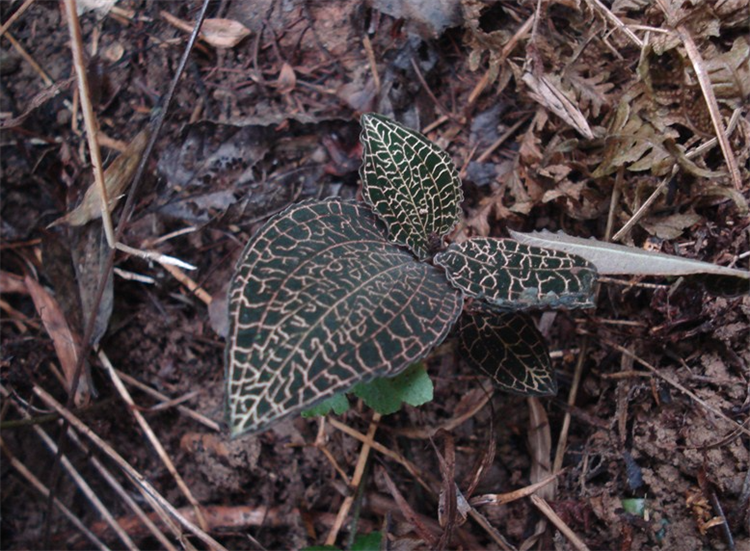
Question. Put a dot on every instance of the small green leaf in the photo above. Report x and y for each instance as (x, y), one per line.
(367, 542)
(411, 184)
(338, 403)
(511, 276)
(634, 506)
(510, 350)
(385, 395)
(321, 301)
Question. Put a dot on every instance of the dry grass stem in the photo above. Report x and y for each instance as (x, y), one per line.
(155, 442)
(644, 208)
(131, 276)
(501, 499)
(42, 489)
(501, 140)
(713, 107)
(83, 486)
(544, 507)
(194, 415)
(89, 118)
(367, 43)
(163, 259)
(140, 514)
(562, 441)
(30, 60)
(128, 469)
(18, 13)
(86, 490)
(359, 470)
(612, 18)
(398, 458)
(493, 532)
(320, 444)
(191, 285)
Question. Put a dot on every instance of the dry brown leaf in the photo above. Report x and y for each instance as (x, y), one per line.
(592, 91)
(540, 445)
(547, 93)
(67, 344)
(12, 283)
(730, 72)
(37, 101)
(216, 32)
(287, 79)
(670, 227)
(480, 41)
(116, 178)
(409, 514)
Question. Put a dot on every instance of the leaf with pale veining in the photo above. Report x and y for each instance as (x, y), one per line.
(411, 183)
(510, 350)
(511, 276)
(320, 301)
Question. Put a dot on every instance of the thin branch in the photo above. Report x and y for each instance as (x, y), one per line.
(644, 208)
(146, 428)
(544, 507)
(12, 19)
(597, 5)
(713, 107)
(140, 514)
(127, 468)
(194, 415)
(359, 470)
(89, 118)
(42, 489)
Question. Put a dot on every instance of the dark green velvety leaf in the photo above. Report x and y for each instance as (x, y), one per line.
(511, 276)
(510, 350)
(321, 301)
(411, 184)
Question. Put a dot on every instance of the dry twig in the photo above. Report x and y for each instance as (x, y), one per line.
(713, 107)
(128, 469)
(359, 470)
(89, 118)
(544, 507)
(146, 428)
(42, 489)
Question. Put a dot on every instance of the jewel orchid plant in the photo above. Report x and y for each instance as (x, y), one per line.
(331, 294)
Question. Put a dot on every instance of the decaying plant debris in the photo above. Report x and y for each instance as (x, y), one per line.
(624, 121)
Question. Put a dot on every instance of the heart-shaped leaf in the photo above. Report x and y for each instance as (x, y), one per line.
(510, 350)
(411, 184)
(511, 276)
(321, 301)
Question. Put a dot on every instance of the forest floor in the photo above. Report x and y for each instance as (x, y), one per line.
(570, 115)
